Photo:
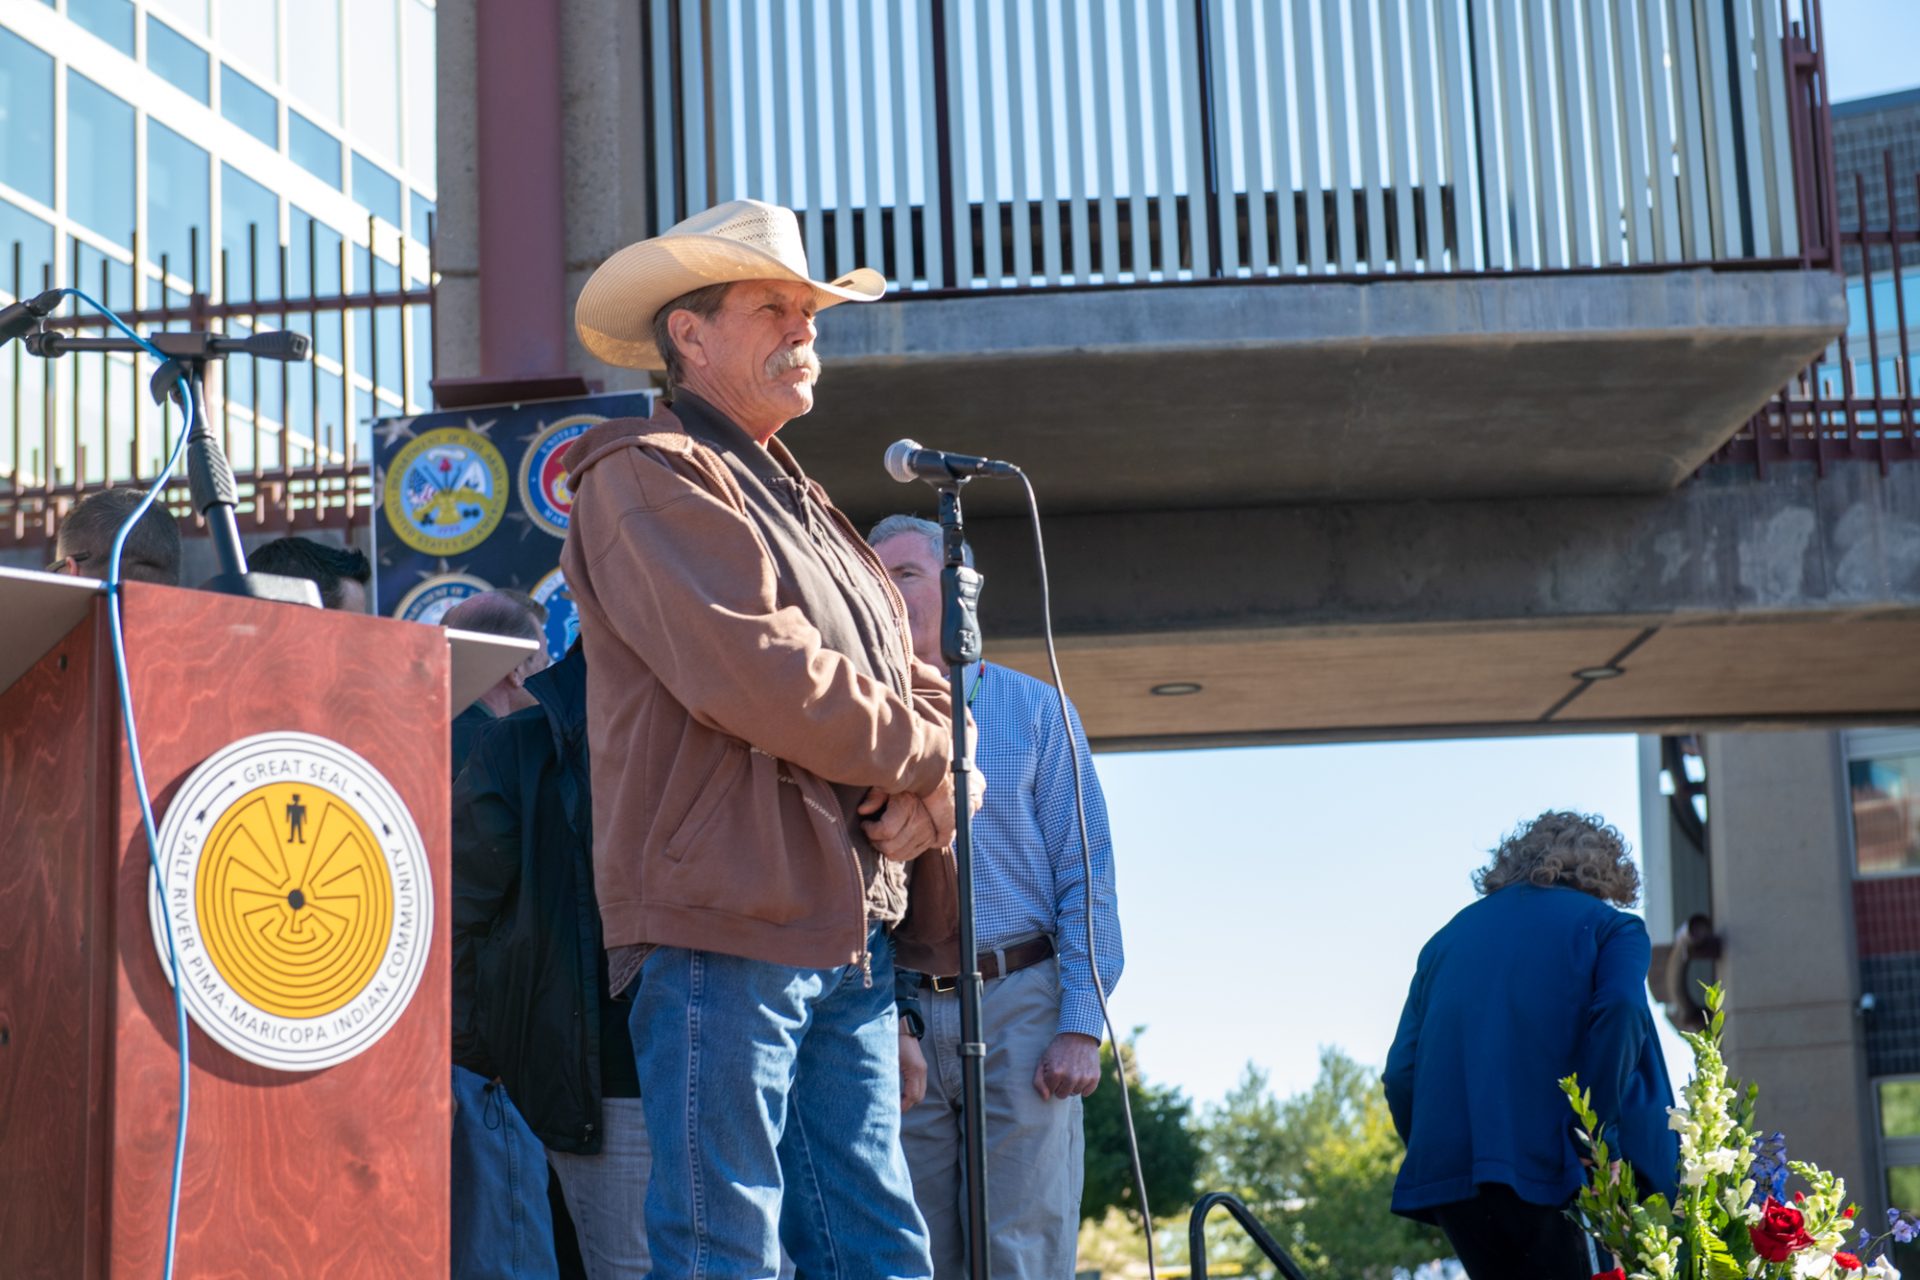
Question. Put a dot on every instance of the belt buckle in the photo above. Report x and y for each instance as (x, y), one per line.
(944, 986)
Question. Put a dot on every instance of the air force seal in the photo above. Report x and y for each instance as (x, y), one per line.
(563, 617)
(302, 908)
(543, 481)
(446, 490)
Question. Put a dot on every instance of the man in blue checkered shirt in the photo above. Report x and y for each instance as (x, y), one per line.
(1040, 1011)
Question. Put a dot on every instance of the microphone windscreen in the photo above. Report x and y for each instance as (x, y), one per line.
(899, 460)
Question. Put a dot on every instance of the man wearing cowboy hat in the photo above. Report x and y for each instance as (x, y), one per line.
(770, 768)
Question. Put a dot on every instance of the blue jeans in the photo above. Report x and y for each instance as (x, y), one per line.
(502, 1228)
(773, 1098)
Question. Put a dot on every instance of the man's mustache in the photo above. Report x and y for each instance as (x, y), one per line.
(795, 358)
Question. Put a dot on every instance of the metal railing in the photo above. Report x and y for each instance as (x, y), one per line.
(987, 144)
(1261, 1237)
(296, 434)
(1857, 401)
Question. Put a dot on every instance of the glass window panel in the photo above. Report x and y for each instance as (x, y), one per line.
(422, 219)
(35, 241)
(177, 60)
(313, 149)
(422, 356)
(249, 32)
(26, 118)
(314, 268)
(1886, 813)
(249, 106)
(376, 190)
(373, 85)
(418, 20)
(179, 202)
(313, 28)
(107, 279)
(245, 204)
(1900, 1108)
(30, 428)
(111, 20)
(99, 159)
(188, 14)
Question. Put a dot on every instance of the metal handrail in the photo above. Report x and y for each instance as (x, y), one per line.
(1197, 1235)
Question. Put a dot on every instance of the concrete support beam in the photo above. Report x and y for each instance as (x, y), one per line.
(1782, 893)
(527, 211)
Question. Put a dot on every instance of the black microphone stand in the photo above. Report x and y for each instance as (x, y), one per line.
(960, 646)
(209, 476)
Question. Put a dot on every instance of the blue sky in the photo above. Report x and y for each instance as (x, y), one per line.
(1275, 899)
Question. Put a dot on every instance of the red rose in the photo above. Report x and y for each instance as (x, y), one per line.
(1618, 1273)
(1847, 1261)
(1847, 1212)
(1779, 1233)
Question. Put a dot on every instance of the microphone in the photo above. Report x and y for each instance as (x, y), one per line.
(907, 461)
(25, 315)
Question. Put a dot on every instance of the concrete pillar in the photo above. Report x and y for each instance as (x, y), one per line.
(1782, 900)
(592, 178)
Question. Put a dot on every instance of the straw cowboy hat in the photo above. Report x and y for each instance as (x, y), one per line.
(738, 240)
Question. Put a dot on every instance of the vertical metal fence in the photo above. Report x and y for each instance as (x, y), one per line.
(1857, 401)
(296, 434)
(968, 144)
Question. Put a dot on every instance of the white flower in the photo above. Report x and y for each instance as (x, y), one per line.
(1883, 1269)
(1678, 1120)
(1811, 1264)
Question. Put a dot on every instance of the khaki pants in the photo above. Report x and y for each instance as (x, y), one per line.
(1035, 1149)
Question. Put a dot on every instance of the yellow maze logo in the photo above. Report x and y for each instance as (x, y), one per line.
(295, 899)
(295, 902)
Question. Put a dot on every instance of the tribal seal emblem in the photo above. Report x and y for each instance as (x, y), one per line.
(430, 601)
(300, 900)
(543, 481)
(446, 491)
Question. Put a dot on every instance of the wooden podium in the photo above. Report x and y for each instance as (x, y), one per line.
(334, 1171)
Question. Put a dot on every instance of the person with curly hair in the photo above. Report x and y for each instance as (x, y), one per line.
(1543, 977)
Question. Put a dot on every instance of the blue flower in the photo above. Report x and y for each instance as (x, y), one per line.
(1904, 1230)
(1769, 1167)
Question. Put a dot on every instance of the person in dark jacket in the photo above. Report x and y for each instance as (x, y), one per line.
(1538, 980)
(530, 1001)
(500, 612)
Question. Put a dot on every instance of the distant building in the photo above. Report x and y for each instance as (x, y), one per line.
(202, 135)
(1864, 131)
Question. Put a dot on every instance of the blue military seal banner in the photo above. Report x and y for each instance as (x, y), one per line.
(478, 498)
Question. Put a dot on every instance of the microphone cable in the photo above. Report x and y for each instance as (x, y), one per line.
(125, 689)
(1086, 865)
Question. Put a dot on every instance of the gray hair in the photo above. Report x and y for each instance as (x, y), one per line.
(900, 524)
(500, 612)
(703, 302)
(1580, 851)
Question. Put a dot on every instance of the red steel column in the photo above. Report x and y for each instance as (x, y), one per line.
(523, 305)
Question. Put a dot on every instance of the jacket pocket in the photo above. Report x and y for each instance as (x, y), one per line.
(717, 790)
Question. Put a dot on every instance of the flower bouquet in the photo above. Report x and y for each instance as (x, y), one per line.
(1734, 1218)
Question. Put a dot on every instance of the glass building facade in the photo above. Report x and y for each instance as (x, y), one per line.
(241, 149)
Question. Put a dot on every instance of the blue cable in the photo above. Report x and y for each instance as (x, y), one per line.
(133, 753)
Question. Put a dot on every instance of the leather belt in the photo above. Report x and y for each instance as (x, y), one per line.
(999, 962)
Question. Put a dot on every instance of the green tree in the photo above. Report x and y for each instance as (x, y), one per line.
(1169, 1148)
(1318, 1169)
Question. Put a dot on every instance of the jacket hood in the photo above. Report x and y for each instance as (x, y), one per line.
(661, 431)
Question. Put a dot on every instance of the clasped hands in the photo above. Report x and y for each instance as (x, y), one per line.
(907, 825)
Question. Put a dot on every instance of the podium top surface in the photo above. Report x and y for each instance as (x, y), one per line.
(40, 608)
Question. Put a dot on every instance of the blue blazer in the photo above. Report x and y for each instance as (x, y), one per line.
(1523, 987)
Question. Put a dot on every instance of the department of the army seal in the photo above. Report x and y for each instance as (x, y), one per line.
(446, 490)
(298, 890)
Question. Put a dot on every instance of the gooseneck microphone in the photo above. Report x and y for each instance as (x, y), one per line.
(907, 461)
